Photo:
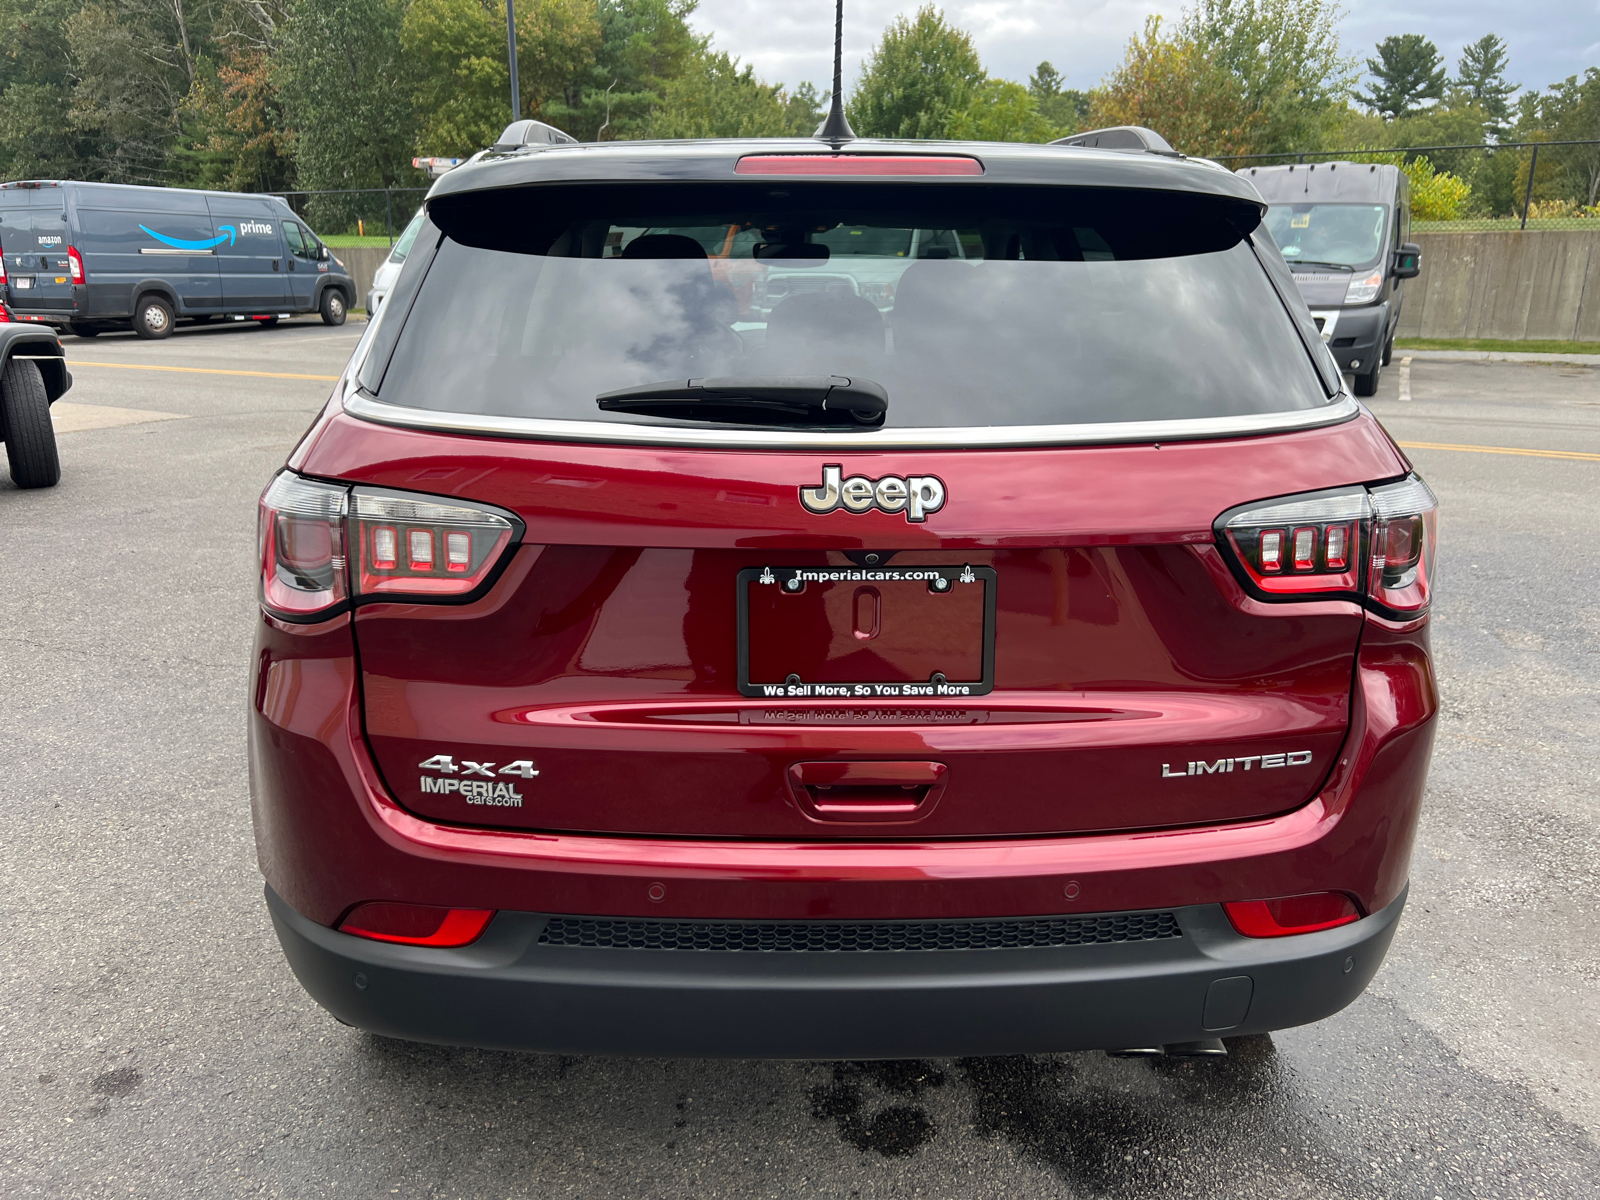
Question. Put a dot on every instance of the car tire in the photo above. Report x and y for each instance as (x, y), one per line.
(334, 309)
(25, 423)
(266, 322)
(1367, 385)
(1388, 351)
(152, 317)
(79, 329)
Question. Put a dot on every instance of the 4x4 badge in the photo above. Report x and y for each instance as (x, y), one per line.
(914, 495)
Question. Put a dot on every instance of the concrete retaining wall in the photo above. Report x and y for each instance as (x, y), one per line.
(362, 262)
(1541, 284)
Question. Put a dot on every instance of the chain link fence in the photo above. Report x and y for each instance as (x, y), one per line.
(376, 212)
(1509, 186)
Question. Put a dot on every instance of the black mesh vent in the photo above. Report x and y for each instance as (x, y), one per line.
(611, 933)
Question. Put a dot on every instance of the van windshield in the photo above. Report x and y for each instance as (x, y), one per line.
(409, 235)
(1337, 235)
(1010, 309)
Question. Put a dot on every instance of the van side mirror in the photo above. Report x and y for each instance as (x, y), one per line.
(322, 253)
(1407, 261)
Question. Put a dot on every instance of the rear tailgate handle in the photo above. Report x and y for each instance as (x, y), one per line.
(867, 792)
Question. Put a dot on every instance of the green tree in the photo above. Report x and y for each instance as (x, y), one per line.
(236, 134)
(716, 98)
(1481, 80)
(36, 81)
(1566, 111)
(456, 52)
(1065, 108)
(345, 94)
(916, 80)
(135, 62)
(643, 44)
(1285, 60)
(1171, 85)
(1408, 70)
(1002, 111)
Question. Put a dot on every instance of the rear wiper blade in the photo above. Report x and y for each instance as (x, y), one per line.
(845, 401)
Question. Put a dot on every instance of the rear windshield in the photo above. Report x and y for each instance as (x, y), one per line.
(972, 306)
(1327, 235)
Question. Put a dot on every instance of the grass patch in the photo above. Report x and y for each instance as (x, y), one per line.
(339, 241)
(1502, 345)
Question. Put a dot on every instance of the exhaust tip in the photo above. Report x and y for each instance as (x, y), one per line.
(1204, 1048)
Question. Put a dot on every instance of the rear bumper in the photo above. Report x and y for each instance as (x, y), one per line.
(508, 991)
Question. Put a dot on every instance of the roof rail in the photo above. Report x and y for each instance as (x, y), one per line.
(532, 133)
(1121, 137)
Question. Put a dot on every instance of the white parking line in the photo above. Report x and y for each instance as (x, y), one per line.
(1405, 378)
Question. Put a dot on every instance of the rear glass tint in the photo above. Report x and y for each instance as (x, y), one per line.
(970, 305)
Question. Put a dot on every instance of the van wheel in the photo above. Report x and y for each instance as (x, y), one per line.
(333, 307)
(153, 318)
(1388, 351)
(25, 421)
(79, 329)
(266, 322)
(1367, 385)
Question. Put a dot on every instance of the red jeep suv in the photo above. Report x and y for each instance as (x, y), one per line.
(856, 600)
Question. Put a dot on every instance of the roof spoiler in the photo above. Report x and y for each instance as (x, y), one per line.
(1121, 137)
(532, 133)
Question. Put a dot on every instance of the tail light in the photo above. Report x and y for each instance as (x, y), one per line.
(424, 547)
(857, 164)
(300, 536)
(416, 924)
(1372, 544)
(323, 545)
(75, 261)
(1405, 528)
(1292, 914)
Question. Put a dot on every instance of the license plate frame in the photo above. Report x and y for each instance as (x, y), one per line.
(22, 282)
(937, 687)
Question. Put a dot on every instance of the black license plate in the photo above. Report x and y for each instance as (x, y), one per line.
(866, 633)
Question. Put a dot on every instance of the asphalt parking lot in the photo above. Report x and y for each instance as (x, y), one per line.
(153, 1042)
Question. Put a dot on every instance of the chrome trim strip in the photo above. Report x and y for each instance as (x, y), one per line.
(970, 438)
(185, 253)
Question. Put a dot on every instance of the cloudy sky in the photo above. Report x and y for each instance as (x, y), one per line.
(792, 41)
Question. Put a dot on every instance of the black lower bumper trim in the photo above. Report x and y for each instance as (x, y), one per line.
(509, 991)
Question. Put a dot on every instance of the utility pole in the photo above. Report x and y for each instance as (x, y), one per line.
(511, 49)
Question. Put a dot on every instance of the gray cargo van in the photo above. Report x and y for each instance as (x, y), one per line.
(1344, 229)
(96, 256)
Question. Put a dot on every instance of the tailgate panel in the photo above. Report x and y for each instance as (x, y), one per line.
(612, 672)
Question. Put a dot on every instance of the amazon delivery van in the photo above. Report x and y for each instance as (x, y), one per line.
(89, 257)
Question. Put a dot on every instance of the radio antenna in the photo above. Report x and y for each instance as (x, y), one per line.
(836, 128)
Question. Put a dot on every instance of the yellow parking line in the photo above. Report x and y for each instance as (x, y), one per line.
(202, 370)
(1578, 454)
